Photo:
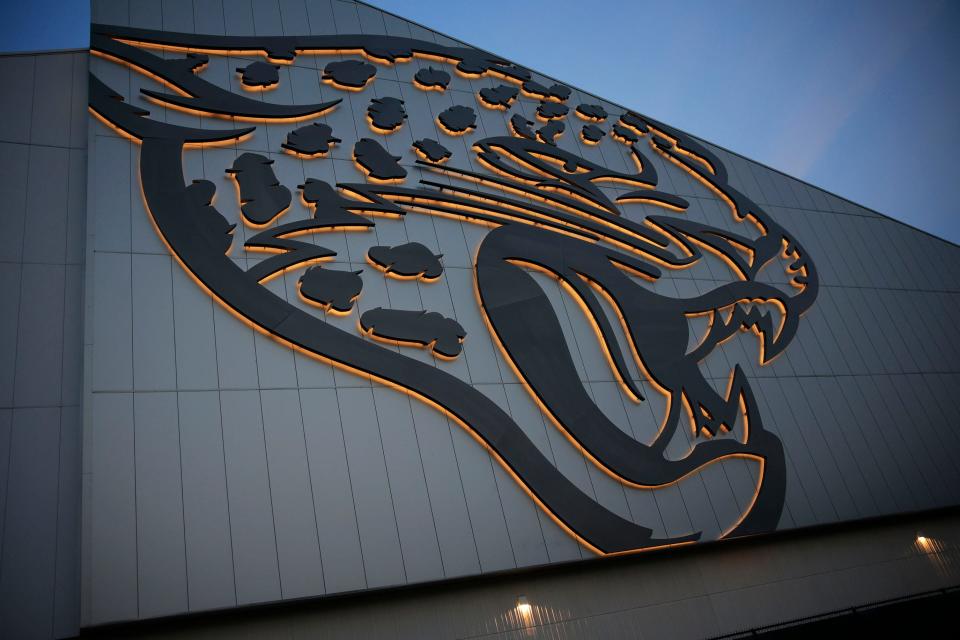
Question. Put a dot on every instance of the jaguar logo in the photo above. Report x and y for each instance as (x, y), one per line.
(548, 213)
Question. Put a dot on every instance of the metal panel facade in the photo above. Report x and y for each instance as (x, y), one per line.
(262, 474)
(223, 468)
(43, 181)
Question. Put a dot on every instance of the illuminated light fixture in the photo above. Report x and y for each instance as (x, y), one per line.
(923, 541)
(523, 606)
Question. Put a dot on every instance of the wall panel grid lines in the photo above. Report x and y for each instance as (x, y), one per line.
(43, 187)
(223, 468)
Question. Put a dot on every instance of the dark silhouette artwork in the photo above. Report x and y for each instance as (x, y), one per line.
(385, 115)
(262, 197)
(313, 140)
(457, 120)
(376, 162)
(546, 217)
(444, 336)
(210, 224)
(349, 74)
(499, 97)
(591, 134)
(623, 134)
(551, 110)
(556, 92)
(430, 149)
(333, 211)
(410, 260)
(259, 74)
(559, 92)
(521, 127)
(548, 133)
(331, 289)
(660, 142)
(190, 90)
(431, 79)
(634, 122)
(592, 112)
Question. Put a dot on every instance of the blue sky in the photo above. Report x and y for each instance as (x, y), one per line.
(858, 97)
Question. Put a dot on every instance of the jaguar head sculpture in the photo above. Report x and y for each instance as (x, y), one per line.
(609, 238)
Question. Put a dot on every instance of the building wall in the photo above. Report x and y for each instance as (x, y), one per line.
(43, 182)
(693, 593)
(223, 469)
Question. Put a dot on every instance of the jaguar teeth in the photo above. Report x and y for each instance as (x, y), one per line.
(752, 313)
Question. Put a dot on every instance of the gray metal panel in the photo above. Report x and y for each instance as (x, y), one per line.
(206, 511)
(178, 15)
(27, 565)
(154, 355)
(14, 168)
(343, 567)
(294, 17)
(51, 118)
(236, 355)
(238, 17)
(275, 365)
(6, 422)
(320, 16)
(251, 508)
(78, 99)
(451, 517)
(673, 511)
(76, 225)
(295, 521)
(208, 16)
(143, 237)
(16, 101)
(826, 455)
(266, 19)
(45, 225)
(111, 541)
(40, 337)
(914, 471)
(345, 16)
(42, 186)
(66, 597)
(110, 194)
(940, 440)
(930, 486)
(194, 335)
(845, 447)
(816, 486)
(161, 555)
(146, 15)
(112, 368)
(408, 488)
(110, 11)
(72, 386)
(851, 401)
(376, 518)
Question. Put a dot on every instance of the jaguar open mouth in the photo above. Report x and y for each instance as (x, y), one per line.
(765, 317)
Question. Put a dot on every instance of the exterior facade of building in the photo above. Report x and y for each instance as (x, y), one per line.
(320, 322)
